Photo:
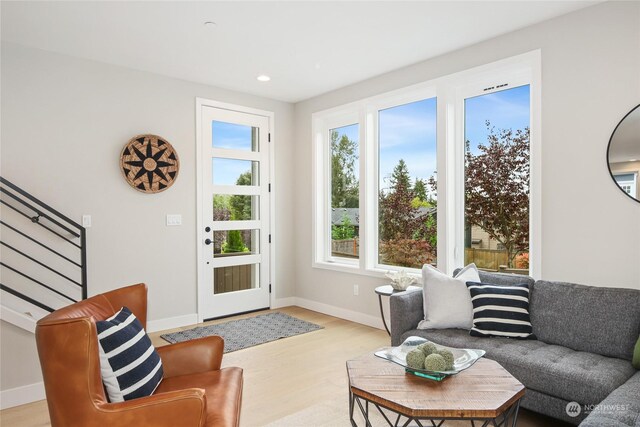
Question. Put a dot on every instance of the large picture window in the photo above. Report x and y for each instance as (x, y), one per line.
(407, 223)
(497, 180)
(443, 173)
(345, 198)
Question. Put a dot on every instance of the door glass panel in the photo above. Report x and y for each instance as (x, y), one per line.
(229, 243)
(345, 217)
(236, 278)
(235, 172)
(234, 136)
(235, 207)
(407, 200)
(497, 180)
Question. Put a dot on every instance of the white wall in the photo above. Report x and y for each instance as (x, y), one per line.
(590, 80)
(20, 358)
(64, 123)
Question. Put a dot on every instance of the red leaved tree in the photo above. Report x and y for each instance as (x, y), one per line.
(497, 188)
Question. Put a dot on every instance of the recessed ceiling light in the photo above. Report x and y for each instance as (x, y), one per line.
(210, 24)
(263, 78)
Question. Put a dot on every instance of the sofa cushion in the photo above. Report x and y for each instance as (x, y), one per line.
(572, 375)
(599, 320)
(506, 279)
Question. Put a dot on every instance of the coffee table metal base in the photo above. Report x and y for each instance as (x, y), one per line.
(508, 418)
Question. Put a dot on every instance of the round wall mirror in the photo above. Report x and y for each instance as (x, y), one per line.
(623, 154)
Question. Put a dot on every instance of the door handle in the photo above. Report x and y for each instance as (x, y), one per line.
(208, 241)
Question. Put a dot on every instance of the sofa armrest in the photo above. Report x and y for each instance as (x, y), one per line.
(192, 357)
(620, 408)
(181, 407)
(406, 313)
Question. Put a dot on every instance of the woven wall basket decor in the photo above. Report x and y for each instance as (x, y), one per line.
(149, 163)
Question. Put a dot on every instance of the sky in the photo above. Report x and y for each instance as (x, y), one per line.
(409, 131)
(406, 132)
(235, 137)
(505, 109)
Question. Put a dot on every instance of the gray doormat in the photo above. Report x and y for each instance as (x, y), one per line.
(243, 333)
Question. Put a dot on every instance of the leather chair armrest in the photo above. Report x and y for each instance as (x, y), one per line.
(192, 357)
(175, 408)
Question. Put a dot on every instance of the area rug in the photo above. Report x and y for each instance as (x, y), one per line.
(243, 333)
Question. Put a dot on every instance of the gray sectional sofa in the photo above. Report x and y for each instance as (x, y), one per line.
(586, 337)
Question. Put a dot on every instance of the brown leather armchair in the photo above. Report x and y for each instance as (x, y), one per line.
(194, 391)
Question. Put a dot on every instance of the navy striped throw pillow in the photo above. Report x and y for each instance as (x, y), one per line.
(129, 364)
(500, 311)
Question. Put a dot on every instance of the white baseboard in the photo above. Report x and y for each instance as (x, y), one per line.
(172, 322)
(283, 302)
(343, 313)
(21, 395)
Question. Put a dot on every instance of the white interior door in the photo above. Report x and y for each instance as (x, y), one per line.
(234, 234)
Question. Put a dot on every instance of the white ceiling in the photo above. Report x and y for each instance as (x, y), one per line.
(308, 48)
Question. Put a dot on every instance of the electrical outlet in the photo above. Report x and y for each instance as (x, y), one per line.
(174, 219)
(86, 221)
(356, 290)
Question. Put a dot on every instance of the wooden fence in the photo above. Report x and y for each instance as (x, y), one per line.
(235, 278)
(486, 259)
(345, 248)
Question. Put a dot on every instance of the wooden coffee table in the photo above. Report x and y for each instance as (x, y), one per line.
(484, 393)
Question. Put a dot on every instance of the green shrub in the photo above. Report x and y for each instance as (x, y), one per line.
(234, 243)
(343, 231)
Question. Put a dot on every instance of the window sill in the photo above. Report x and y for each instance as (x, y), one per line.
(370, 272)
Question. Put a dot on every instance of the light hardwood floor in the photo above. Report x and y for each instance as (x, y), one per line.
(284, 377)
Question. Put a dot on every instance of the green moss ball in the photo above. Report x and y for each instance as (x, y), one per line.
(415, 359)
(427, 348)
(435, 362)
(447, 355)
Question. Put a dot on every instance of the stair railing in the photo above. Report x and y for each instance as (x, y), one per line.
(46, 217)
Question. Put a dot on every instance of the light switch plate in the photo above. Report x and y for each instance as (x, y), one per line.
(174, 219)
(86, 221)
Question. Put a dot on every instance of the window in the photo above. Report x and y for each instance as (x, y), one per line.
(407, 227)
(402, 179)
(496, 179)
(627, 182)
(345, 188)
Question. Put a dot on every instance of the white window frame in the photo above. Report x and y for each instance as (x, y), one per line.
(372, 183)
(450, 91)
(337, 120)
